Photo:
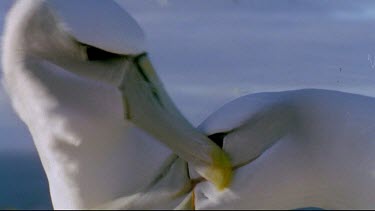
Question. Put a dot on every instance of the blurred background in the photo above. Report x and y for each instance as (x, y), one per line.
(208, 53)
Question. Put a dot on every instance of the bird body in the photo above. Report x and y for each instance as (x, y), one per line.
(109, 136)
(101, 122)
(295, 149)
(78, 126)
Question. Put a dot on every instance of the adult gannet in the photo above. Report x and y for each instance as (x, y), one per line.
(72, 70)
(295, 149)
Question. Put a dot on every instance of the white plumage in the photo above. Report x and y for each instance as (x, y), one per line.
(290, 149)
(96, 110)
(315, 147)
(77, 124)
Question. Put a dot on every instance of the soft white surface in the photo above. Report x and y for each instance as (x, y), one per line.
(103, 24)
(100, 127)
(325, 159)
(236, 113)
(209, 53)
(260, 62)
(86, 147)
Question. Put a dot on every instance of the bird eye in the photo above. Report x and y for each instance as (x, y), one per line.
(96, 54)
(218, 138)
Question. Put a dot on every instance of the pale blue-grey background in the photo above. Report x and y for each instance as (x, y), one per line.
(210, 52)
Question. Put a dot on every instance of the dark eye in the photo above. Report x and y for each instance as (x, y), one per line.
(96, 54)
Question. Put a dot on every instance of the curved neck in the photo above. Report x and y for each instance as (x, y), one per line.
(91, 155)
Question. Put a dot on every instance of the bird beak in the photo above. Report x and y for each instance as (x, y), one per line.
(147, 104)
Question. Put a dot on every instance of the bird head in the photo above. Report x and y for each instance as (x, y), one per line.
(98, 40)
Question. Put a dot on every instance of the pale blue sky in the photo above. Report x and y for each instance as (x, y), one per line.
(210, 52)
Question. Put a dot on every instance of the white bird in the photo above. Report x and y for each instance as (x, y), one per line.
(295, 149)
(306, 148)
(63, 64)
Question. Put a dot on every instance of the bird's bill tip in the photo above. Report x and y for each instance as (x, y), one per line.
(219, 172)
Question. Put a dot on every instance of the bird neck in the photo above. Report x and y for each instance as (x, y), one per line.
(90, 154)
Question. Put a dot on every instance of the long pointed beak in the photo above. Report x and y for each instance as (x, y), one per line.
(148, 105)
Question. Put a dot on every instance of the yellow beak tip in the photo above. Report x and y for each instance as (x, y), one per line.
(220, 172)
(221, 178)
